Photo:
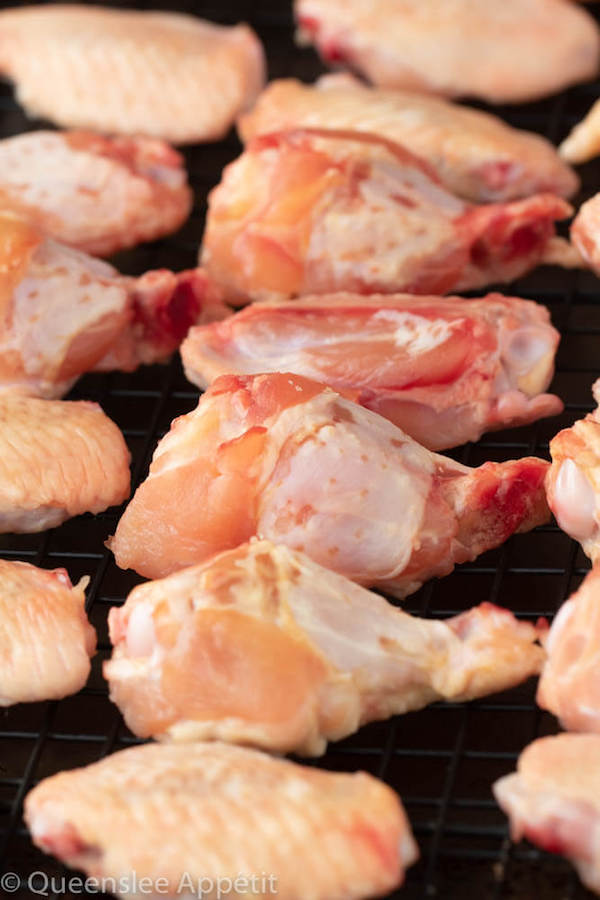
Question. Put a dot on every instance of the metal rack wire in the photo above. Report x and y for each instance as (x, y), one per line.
(442, 760)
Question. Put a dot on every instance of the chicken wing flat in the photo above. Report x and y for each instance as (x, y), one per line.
(64, 313)
(570, 682)
(315, 211)
(162, 74)
(57, 460)
(552, 800)
(262, 646)
(476, 155)
(441, 368)
(509, 52)
(573, 482)
(94, 193)
(292, 461)
(230, 813)
(45, 639)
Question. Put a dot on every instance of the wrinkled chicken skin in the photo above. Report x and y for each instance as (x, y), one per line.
(229, 811)
(262, 646)
(509, 52)
(57, 460)
(552, 800)
(443, 369)
(570, 682)
(162, 74)
(64, 313)
(315, 211)
(94, 193)
(46, 640)
(585, 232)
(573, 482)
(289, 460)
(476, 155)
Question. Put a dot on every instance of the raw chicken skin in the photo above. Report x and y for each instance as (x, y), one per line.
(94, 193)
(161, 74)
(570, 682)
(315, 211)
(262, 646)
(287, 459)
(63, 313)
(585, 232)
(45, 638)
(573, 482)
(476, 155)
(583, 143)
(57, 460)
(509, 52)
(228, 811)
(443, 369)
(552, 800)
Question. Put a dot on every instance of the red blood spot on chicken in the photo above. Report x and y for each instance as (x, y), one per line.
(181, 310)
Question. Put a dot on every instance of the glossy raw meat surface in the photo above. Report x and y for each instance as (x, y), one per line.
(585, 232)
(63, 313)
(476, 155)
(573, 482)
(441, 368)
(583, 142)
(262, 646)
(553, 800)
(570, 682)
(508, 52)
(45, 638)
(227, 811)
(57, 460)
(162, 74)
(287, 459)
(97, 194)
(315, 211)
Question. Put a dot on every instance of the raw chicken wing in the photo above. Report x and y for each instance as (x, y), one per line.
(583, 142)
(573, 482)
(97, 194)
(502, 52)
(57, 460)
(45, 638)
(315, 211)
(570, 682)
(292, 461)
(63, 313)
(553, 800)
(476, 155)
(441, 368)
(262, 646)
(162, 74)
(585, 232)
(298, 832)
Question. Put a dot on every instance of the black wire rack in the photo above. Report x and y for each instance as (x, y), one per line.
(443, 760)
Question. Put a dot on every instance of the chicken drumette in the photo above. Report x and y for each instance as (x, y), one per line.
(285, 458)
(64, 313)
(316, 211)
(441, 368)
(261, 645)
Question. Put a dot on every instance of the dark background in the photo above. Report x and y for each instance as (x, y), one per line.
(443, 760)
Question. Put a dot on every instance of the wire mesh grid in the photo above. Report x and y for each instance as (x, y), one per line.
(442, 760)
